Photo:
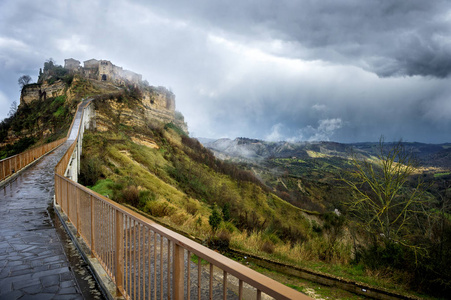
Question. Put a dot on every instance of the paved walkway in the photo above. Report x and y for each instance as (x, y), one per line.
(34, 251)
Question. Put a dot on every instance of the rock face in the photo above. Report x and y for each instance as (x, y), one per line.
(159, 103)
(156, 104)
(36, 91)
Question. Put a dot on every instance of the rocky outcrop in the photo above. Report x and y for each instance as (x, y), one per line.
(37, 91)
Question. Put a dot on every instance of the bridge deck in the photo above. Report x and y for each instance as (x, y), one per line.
(37, 259)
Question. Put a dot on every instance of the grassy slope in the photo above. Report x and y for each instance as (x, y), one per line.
(187, 206)
(180, 182)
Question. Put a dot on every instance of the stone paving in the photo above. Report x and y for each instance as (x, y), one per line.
(33, 261)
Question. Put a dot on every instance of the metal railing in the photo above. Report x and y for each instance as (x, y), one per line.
(149, 261)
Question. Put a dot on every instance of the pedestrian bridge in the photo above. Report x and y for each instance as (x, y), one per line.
(140, 258)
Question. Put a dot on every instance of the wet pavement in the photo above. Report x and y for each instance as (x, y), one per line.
(37, 258)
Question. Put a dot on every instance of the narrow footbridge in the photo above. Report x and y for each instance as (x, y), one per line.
(137, 257)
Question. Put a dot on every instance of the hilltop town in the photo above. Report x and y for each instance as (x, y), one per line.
(102, 70)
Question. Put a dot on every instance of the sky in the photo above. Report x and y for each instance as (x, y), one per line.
(307, 70)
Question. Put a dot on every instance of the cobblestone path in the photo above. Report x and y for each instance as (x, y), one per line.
(37, 258)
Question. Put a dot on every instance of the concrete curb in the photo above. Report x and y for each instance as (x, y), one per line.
(359, 288)
(106, 284)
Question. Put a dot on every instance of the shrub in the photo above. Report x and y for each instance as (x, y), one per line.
(268, 247)
(229, 227)
(159, 209)
(191, 207)
(221, 241)
(226, 212)
(130, 195)
(90, 170)
(179, 218)
(214, 220)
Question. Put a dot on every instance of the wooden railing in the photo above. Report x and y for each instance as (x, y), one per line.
(13, 164)
(148, 261)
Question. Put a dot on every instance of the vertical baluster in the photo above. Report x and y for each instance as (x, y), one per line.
(211, 281)
(240, 290)
(108, 238)
(139, 261)
(224, 285)
(154, 265)
(161, 267)
(149, 260)
(126, 254)
(179, 271)
(119, 251)
(93, 243)
(101, 235)
(67, 198)
(134, 259)
(130, 287)
(169, 269)
(188, 276)
(199, 276)
(103, 229)
(111, 225)
(259, 294)
(77, 200)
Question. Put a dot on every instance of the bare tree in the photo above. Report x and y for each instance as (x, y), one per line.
(24, 80)
(12, 109)
(384, 204)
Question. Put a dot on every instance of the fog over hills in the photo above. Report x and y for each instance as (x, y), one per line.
(244, 149)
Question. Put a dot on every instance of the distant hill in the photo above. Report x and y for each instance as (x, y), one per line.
(251, 150)
(307, 174)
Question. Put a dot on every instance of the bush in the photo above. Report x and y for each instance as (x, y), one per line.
(179, 218)
(215, 219)
(130, 195)
(268, 247)
(191, 207)
(159, 209)
(90, 170)
(221, 241)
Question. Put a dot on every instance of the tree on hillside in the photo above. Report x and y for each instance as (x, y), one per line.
(24, 80)
(384, 205)
(12, 109)
(215, 219)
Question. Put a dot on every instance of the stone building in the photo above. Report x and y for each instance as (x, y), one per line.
(71, 64)
(106, 71)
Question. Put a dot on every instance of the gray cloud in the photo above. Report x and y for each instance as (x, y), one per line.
(344, 71)
(389, 38)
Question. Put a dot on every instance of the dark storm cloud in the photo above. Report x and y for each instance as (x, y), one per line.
(294, 70)
(389, 38)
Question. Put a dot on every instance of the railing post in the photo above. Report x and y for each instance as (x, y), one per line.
(56, 188)
(119, 252)
(77, 200)
(179, 272)
(67, 198)
(93, 238)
